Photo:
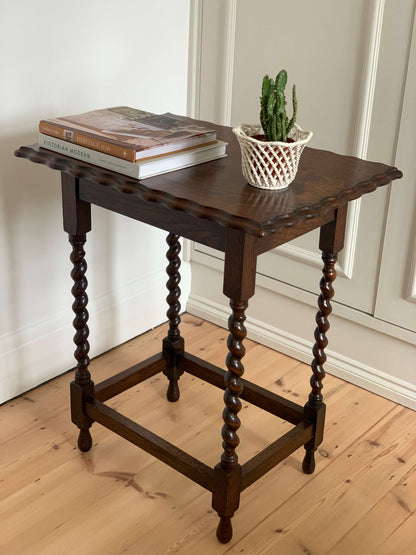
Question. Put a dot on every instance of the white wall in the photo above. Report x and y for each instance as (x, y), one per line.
(59, 58)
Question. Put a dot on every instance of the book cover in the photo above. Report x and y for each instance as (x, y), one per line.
(142, 168)
(128, 133)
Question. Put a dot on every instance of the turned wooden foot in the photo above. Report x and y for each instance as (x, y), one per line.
(84, 440)
(224, 529)
(173, 392)
(308, 464)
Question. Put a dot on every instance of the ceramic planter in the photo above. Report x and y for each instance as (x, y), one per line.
(270, 165)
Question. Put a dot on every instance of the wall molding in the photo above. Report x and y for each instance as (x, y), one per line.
(397, 280)
(290, 251)
(344, 266)
(194, 60)
(227, 36)
(369, 77)
(343, 367)
(366, 95)
(411, 288)
(287, 290)
(230, 21)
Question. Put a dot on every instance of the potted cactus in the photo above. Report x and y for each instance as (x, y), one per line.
(270, 159)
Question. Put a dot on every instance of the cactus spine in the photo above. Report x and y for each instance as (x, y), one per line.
(273, 118)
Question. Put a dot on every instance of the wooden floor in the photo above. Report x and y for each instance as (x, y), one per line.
(118, 499)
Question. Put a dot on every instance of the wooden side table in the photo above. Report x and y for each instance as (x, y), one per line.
(212, 204)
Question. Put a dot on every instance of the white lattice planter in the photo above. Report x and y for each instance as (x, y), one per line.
(270, 165)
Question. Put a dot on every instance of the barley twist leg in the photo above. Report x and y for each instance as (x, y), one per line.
(82, 388)
(315, 408)
(173, 344)
(229, 471)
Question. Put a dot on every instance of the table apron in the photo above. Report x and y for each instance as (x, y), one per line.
(186, 225)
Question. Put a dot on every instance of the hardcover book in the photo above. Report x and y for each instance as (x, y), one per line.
(141, 169)
(128, 133)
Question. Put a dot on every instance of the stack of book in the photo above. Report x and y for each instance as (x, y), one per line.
(130, 141)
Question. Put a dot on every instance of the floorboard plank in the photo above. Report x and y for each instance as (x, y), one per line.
(118, 499)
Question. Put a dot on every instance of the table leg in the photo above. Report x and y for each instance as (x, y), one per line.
(173, 344)
(228, 472)
(315, 408)
(239, 286)
(82, 389)
(331, 242)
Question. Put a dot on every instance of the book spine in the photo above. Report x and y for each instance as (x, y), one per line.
(138, 170)
(84, 154)
(84, 140)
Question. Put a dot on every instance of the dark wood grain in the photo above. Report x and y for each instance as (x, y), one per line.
(240, 263)
(233, 383)
(315, 407)
(130, 377)
(184, 224)
(279, 450)
(321, 341)
(173, 344)
(76, 213)
(252, 393)
(152, 443)
(82, 389)
(79, 306)
(217, 191)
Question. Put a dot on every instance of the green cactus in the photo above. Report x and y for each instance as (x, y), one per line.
(273, 118)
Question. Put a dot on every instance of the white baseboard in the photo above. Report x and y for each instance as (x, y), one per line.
(43, 350)
(369, 378)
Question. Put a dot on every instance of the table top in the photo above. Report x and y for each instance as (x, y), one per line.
(217, 191)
